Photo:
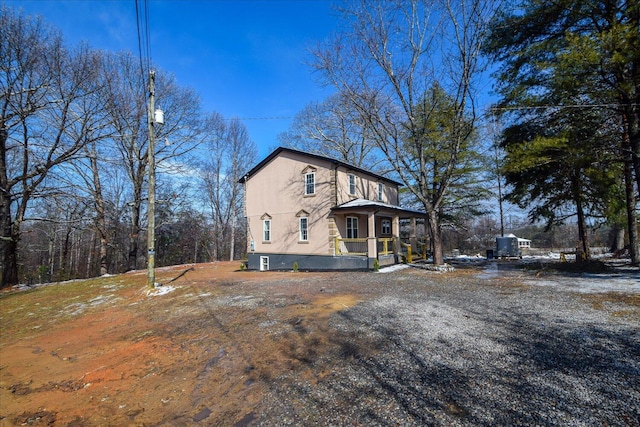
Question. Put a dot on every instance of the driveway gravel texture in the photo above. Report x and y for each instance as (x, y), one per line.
(487, 344)
(440, 349)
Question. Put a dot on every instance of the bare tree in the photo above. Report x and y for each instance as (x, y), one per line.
(128, 112)
(42, 87)
(333, 129)
(232, 153)
(393, 55)
(241, 155)
(212, 169)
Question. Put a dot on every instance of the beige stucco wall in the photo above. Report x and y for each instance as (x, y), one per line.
(278, 190)
(366, 188)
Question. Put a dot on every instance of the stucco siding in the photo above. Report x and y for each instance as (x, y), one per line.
(366, 187)
(277, 193)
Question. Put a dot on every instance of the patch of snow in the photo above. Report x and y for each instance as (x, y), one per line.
(160, 290)
(245, 301)
(591, 283)
(393, 268)
(432, 267)
(101, 299)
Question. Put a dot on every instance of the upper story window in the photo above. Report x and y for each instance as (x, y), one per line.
(380, 191)
(310, 183)
(352, 184)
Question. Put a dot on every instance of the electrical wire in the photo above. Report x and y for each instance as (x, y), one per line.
(547, 107)
(144, 45)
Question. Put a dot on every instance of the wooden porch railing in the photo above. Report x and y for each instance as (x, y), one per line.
(351, 246)
(385, 246)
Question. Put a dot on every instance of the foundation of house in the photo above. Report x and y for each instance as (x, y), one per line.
(265, 262)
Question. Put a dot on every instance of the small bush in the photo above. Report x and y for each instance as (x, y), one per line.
(295, 266)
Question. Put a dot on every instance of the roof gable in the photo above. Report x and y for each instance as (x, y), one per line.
(280, 150)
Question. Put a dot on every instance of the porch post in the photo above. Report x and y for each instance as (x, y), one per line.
(395, 232)
(412, 235)
(372, 246)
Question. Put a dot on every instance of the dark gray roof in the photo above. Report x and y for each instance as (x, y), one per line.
(279, 150)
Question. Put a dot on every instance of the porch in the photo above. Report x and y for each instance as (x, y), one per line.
(380, 224)
(385, 246)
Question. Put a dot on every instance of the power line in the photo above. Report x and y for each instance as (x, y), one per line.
(261, 118)
(547, 107)
(144, 45)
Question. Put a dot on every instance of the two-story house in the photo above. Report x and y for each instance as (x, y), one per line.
(320, 214)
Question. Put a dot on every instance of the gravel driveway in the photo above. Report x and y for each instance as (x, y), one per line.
(425, 348)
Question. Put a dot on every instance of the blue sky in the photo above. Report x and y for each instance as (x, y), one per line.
(246, 58)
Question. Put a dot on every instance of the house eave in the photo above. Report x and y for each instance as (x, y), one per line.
(279, 150)
(367, 206)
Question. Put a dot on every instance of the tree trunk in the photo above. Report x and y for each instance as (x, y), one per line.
(9, 256)
(617, 238)
(632, 218)
(65, 260)
(583, 234)
(52, 254)
(133, 236)
(232, 237)
(104, 244)
(90, 254)
(8, 242)
(436, 238)
(100, 221)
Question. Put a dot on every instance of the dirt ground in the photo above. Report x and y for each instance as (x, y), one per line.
(109, 351)
(205, 348)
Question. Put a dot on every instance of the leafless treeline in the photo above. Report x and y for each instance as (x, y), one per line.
(74, 162)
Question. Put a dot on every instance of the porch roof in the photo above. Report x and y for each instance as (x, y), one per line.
(364, 205)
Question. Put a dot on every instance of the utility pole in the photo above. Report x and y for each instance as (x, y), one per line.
(151, 210)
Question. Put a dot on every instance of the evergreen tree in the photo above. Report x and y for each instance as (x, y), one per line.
(558, 56)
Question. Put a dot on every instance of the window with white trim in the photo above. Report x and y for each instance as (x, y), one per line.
(386, 226)
(352, 227)
(352, 184)
(380, 191)
(264, 263)
(310, 183)
(304, 229)
(266, 230)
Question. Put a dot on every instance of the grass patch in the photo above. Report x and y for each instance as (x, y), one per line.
(25, 312)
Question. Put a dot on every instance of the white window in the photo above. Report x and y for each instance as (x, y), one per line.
(352, 227)
(266, 230)
(380, 191)
(264, 263)
(310, 183)
(386, 226)
(352, 184)
(304, 229)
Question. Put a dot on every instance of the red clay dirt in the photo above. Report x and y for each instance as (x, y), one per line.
(109, 351)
